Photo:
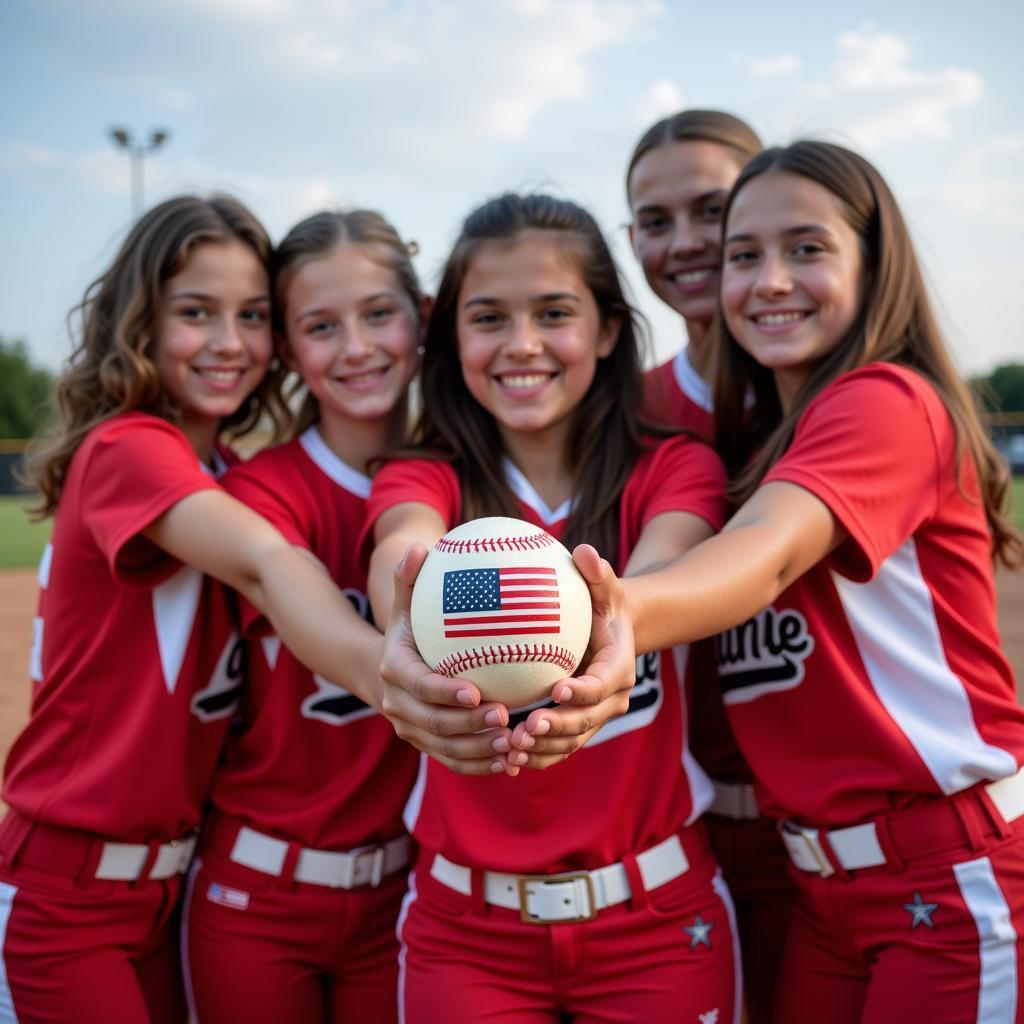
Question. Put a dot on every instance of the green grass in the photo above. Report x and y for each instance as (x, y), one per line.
(21, 541)
(1017, 508)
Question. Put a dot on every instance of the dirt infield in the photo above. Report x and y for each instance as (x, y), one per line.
(18, 603)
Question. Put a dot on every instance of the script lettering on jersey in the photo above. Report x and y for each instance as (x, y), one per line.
(332, 703)
(645, 700)
(220, 696)
(763, 655)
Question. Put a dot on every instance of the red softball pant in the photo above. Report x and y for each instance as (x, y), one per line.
(465, 962)
(257, 951)
(755, 867)
(94, 952)
(938, 939)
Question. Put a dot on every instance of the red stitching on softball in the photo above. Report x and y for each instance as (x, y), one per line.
(507, 654)
(468, 547)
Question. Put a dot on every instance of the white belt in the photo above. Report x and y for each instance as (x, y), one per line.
(367, 865)
(734, 800)
(574, 896)
(124, 862)
(859, 847)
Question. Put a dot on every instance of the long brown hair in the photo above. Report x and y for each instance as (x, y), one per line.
(895, 324)
(111, 370)
(698, 126)
(316, 236)
(604, 436)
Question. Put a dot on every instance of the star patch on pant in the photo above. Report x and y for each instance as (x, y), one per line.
(699, 932)
(920, 912)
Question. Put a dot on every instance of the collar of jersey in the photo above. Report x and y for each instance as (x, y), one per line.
(525, 492)
(339, 471)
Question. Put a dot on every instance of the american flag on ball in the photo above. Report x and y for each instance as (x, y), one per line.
(500, 602)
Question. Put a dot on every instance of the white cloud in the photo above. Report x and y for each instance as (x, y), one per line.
(20, 155)
(874, 94)
(986, 181)
(774, 66)
(661, 98)
(312, 51)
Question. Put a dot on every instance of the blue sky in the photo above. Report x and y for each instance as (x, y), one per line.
(424, 108)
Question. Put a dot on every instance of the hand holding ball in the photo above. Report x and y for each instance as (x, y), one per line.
(500, 602)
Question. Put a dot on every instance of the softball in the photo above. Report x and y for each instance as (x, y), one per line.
(500, 602)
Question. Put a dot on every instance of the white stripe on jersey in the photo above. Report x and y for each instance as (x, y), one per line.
(332, 467)
(893, 622)
(271, 644)
(7, 894)
(407, 902)
(45, 563)
(35, 670)
(997, 941)
(174, 611)
(722, 890)
(702, 792)
(413, 806)
(691, 383)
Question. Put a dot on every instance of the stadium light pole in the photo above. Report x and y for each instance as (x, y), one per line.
(138, 151)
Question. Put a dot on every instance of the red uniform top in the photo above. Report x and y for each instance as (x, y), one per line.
(634, 783)
(676, 394)
(136, 663)
(313, 762)
(876, 680)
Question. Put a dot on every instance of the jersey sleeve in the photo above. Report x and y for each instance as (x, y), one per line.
(873, 447)
(685, 475)
(137, 468)
(429, 481)
(261, 485)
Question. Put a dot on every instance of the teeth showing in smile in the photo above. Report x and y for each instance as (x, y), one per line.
(777, 319)
(220, 375)
(363, 378)
(694, 276)
(524, 380)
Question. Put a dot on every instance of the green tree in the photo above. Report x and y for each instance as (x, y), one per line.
(1006, 383)
(26, 392)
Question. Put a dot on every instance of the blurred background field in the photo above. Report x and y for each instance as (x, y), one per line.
(21, 541)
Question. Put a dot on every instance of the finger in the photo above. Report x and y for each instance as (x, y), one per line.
(436, 718)
(550, 751)
(409, 567)
(589, 562)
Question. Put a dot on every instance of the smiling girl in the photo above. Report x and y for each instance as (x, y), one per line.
(587, 892)
(871, 698)
(291, 915)
(136, 665)
(677, 181)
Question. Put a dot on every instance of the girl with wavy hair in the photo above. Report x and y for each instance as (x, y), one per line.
(137, 668)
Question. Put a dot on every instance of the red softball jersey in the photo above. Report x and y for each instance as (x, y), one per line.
(313, 761)
(135, 660)
(876, 680)
(635, 782)
(676, 394)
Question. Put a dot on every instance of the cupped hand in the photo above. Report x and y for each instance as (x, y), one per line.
(600, 692)
(443, 717)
